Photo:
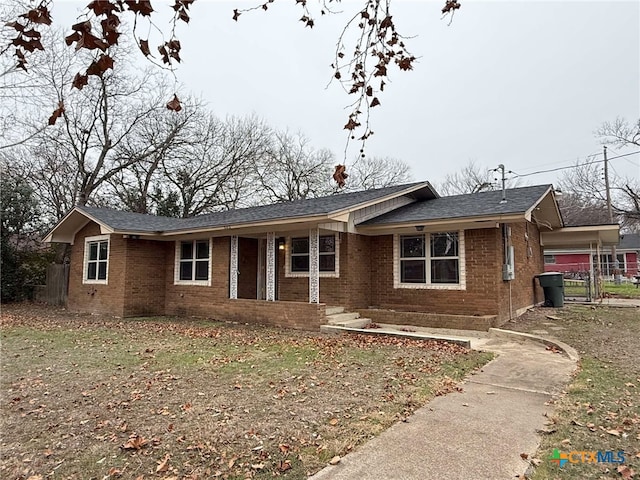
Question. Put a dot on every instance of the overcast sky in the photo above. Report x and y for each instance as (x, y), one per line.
(523, 83)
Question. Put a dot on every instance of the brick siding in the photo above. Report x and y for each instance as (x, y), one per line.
(141, 282)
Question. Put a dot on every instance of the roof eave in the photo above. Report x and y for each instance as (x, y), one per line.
(485, 221)
(60, 234)
(602, 235)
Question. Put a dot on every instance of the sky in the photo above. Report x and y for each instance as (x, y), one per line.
(519, 83)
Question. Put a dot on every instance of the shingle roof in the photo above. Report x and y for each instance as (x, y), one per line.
(127, 221)
(629, 241)
(519, 200)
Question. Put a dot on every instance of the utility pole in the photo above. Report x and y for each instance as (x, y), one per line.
(504, 182)
(614, 257)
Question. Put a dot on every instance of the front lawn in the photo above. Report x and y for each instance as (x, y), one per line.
(96, 397)
(601, 408)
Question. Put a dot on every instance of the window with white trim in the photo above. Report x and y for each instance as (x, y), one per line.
(326, 254)
(429, 260)
(96, 259)
(193, 262)
(297, 256)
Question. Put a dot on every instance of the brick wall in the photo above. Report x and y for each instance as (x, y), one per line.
(145, 271)
(299, 315)
(529, 261)
(213, 301)
(431, 320)
(352, 289)
(97, 298)
(482, 274)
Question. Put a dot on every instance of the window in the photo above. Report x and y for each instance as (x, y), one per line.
(96, 259)
(193, 262)
(412, 259)
(608, 265)
(300, 254)
(444, 258)
(550, 259)
(298, 258)
(429, 260)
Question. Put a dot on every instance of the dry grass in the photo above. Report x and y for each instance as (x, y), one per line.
(199, 399)
(601, 409)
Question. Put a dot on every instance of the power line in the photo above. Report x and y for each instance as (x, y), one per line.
(574, 166)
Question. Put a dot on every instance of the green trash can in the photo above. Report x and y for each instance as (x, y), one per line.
(553, 285)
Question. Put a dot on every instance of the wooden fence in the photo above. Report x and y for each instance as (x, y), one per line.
(56, 289)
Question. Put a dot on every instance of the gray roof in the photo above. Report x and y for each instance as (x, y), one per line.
(127, 221)
(519, 200)
(629, 241)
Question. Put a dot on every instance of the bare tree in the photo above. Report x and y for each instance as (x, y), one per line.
(620, 132)
(586, 188)
(139, 187)
(73, 161)
(211, 170)
(292, 169)
(369, 47)
(378, 172)
(472, 178)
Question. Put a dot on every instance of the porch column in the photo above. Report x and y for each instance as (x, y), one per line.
(314, 266)
(233, 268)
(271, 267)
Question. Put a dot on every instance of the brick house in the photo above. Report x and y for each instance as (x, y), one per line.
(581, 260)
(400, 254)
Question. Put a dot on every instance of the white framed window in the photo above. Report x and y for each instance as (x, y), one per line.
(297, 256)
(432, 260)
(193, 262)
(96, 260)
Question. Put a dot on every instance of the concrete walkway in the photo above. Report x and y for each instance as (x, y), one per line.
(477, 434)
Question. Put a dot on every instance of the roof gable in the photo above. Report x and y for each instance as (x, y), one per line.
(482, 204)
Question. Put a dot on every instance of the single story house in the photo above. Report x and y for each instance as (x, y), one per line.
(576, 259)
(402, 254)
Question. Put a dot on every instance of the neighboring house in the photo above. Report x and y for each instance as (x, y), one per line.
(399, 254)
(582, 260)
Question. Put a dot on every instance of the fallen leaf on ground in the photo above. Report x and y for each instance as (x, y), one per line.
(135, 442)
(335, 460)
(524, 456)
(626, 472)
(333, 421)
(163, 465)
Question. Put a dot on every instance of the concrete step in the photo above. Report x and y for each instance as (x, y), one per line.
(340, 318)
(338, 329)
(356, 323)
(334, 310)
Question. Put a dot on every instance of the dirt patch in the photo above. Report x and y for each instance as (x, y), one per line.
(98, 397)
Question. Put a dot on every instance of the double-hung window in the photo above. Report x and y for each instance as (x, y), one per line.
(96, 259)
(193, 262)
(299, 255)
(445, 262)
(429, 259)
